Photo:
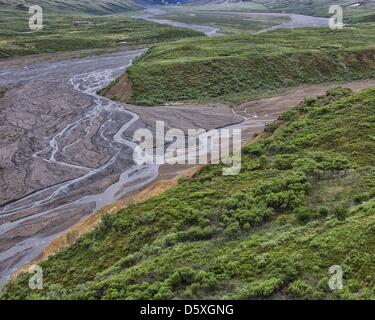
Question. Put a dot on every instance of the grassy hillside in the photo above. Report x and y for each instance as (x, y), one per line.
(227, 23)
(69, 32)
(354, 11)
(241, 67)
(304, 201)
(95, 7)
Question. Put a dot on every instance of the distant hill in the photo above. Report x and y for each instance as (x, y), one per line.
(150, 3)
(363, 10)
(314, 7)
(97, 7)
(354, 10)
(203, 2)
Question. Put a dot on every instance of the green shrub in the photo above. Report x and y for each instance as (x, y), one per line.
(283, 162)
(304, 214)
(336, 163)
(309, 101)
(264, 288)
(107, 221)
(272, 127)
(322, 211)
(341, 212)
(253, 149)
(363, 197)
(232, 230)
(254, 215)
(300, 289)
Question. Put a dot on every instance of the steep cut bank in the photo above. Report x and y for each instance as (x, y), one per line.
(304, 201)
(206, 69)
(119, 90)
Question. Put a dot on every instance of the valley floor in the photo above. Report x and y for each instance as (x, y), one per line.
(257, 113)
(303, 202)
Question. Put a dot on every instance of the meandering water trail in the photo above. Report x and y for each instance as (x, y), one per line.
(75, 154)
(100, 114)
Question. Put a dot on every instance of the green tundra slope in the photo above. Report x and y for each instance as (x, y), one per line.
(95, 7)
(241, 67)
(304, 201)
(79, 26)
